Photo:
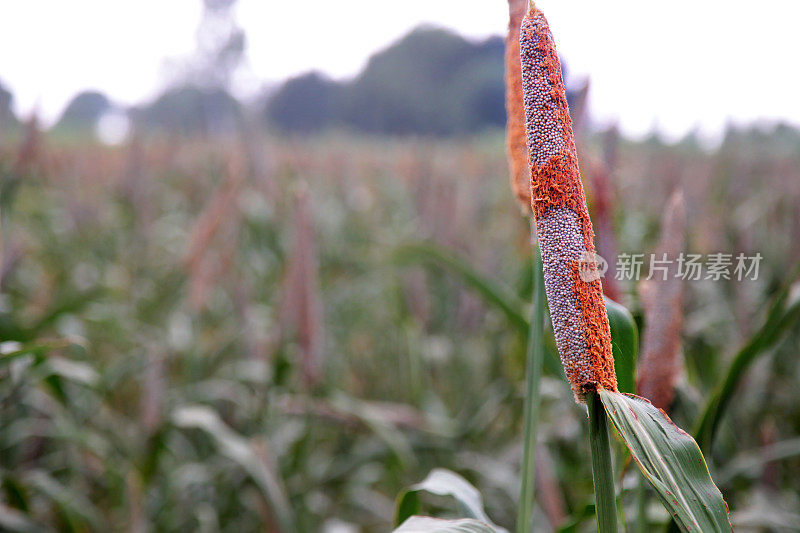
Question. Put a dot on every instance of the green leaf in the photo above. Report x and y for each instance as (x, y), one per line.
(78, 513)
(244, 453)
(752, 463)
(425, 524)
(444, 483)
(492, 292)
(573, 525)
(781, 317)
(671, 460)
(11, 350)
(75, 371)
(14, 520)
(533, 401)
(602, 470)
(65, 303)
(375, 418)
(624, 344)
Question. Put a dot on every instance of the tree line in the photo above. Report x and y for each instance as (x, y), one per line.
(430, 82)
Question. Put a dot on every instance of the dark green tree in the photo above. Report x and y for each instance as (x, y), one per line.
(190, 110)
(83, 112)
(8, 120)
(304, 104)
(431, 82)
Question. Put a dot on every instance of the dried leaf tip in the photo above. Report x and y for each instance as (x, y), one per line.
(572, 282)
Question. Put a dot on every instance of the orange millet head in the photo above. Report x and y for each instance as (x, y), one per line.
(516, 143)
(574, 295)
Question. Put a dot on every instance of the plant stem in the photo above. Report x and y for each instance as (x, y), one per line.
(535, 356)
(641, 505)
(604, 493)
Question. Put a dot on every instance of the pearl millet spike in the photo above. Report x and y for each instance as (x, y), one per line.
(572, 282)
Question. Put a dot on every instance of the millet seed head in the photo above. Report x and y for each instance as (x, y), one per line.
(577, 309)
(660, 361)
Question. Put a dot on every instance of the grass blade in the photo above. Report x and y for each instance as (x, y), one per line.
(671, 460)
(11, 350)
(14, 520)
(492, 292)
(244, 453)
(605, 494)
(781, 316)
(444, 483)
(426, 524)
(76, 510)
(532, 396)
(752, 463)
(624, 344)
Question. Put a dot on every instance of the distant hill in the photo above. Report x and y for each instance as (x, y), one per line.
(430, 82)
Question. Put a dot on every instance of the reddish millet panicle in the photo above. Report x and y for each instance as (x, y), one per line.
(516, 144)
(565, 232)
(662, 297)
(302, 313)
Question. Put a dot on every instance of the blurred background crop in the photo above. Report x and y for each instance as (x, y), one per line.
(252, 254)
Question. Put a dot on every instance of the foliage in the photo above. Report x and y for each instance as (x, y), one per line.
(304, 104)
(624, 343)
(444, 483)
(782, 314)
(105, 425)
(83, 112)
(671, 461)
(190, 110)
(419, 524)
(7, 119)
(430, 82)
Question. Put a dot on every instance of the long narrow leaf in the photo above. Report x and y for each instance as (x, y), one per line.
(14, 520)
(444, 483)
(241, 451)
(532, 396)
(782, 315)
(489, 290)
(426, 524)
(493, 293)
(11, 350)
(78, 512)
(671, 460)
(624, 345)
(752, 463)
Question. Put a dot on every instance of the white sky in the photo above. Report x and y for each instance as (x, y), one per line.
(678, 64)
